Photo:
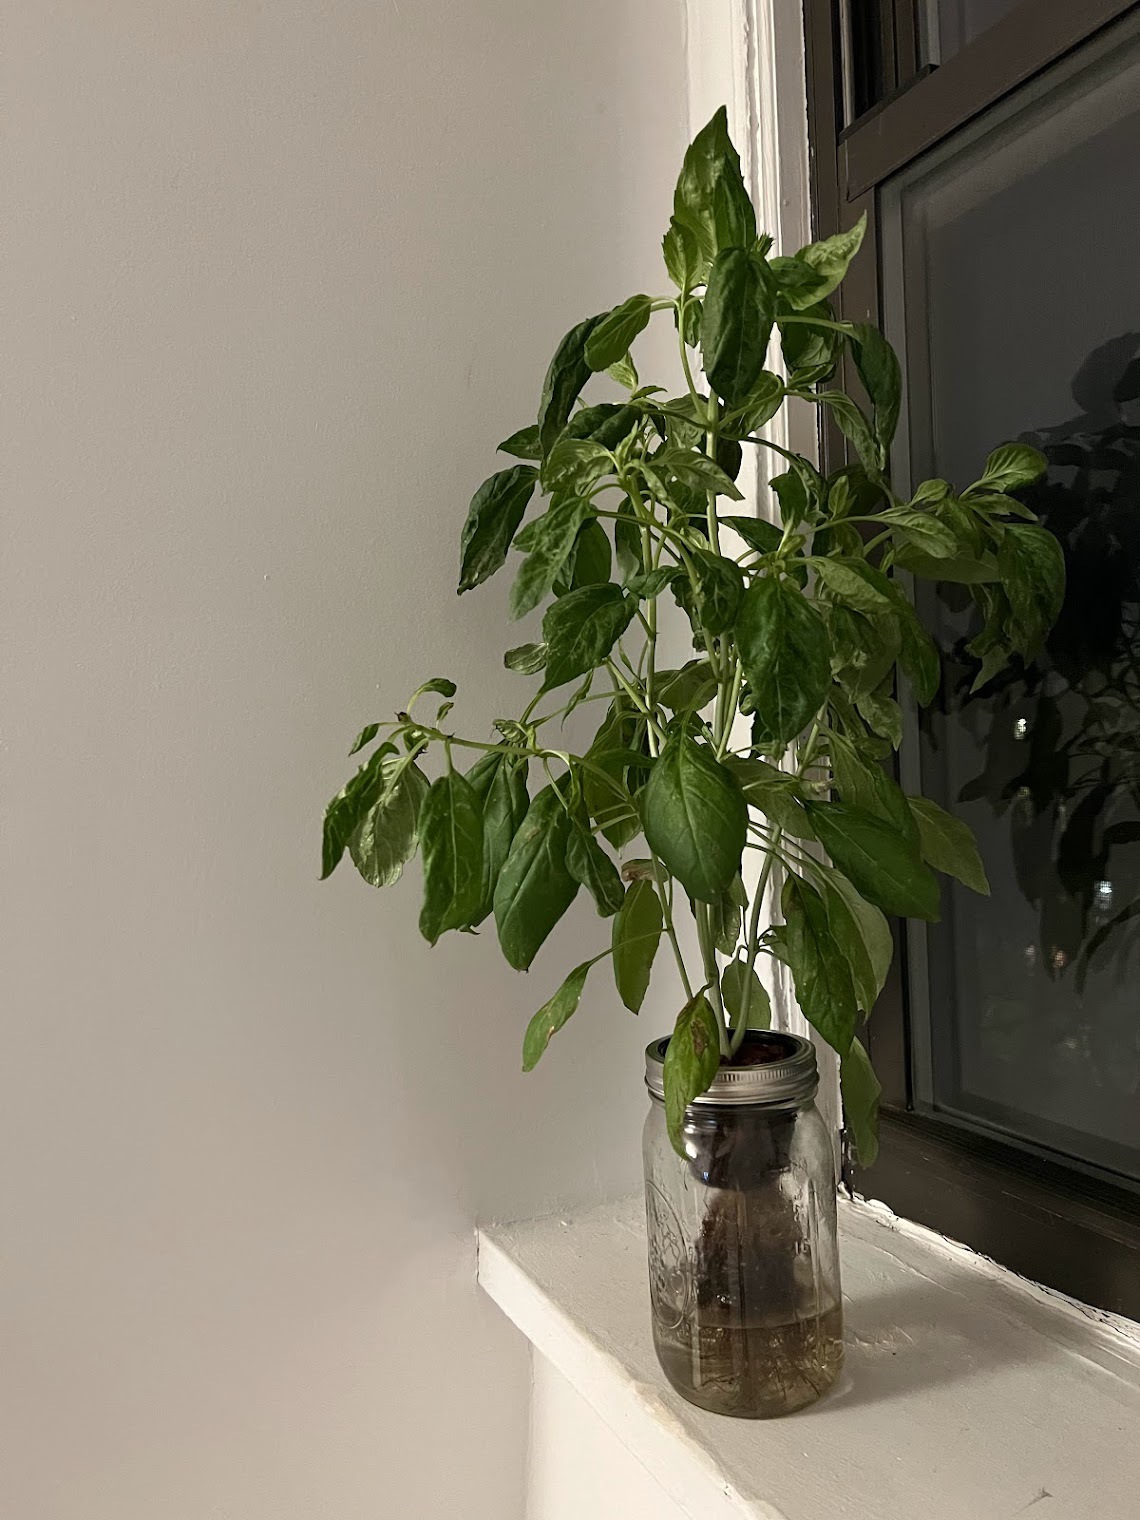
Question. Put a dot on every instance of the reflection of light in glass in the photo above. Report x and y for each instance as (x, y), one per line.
(1022, 807)
(1030, 957)
(1021, 728)
(1103, 893)
(1059, 959)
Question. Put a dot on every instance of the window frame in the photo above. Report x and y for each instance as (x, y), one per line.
(1051, 1222)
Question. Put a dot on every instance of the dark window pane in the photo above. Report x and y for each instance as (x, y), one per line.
(1010, 259)
(947, 26)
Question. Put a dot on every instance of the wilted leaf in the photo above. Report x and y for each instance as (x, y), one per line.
(692, 1061)
(553, 1015)
(496, 510)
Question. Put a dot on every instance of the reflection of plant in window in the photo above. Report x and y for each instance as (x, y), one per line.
(1063, 749)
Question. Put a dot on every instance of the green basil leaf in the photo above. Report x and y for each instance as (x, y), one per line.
(590, 866)
(625, 372)
(734, 217)
(931, 493)
(778, 795)
(388, 834)
(695, 818)
(686, 422)
(691, 314)
(710, 198)
(762, 403)
(720, 590)
(581, 628)
(553, 1015)
(1011, 466)
(854, 425)
(496, 510)
(574, 465)
(697, 471)
(882, 714)
(739, 310)
(611, 340)
(364, 738)
(824, 989)
(350, 806)
(882, 866)
(636, 936)
(811, 352)
(762, 536)
(729, 456)
(830, 259)
(879, 371)
(607, 423)
(439, 685)
(842, 576)
(527, 659)
(726, 917)
(524, 444)
(864, 648)
(627, 542)
(918, 656)
(870, 788)
(692, 1061)
(499, 782)
(865, 936)
(962, 569)
(451, 835)
(653, 582)
(734, 980)
(535, 887)
(591, 559)
(795, 277)
(609, 781)
(682, 254)
(786, 653)
(948, 844)
(925, 533)
(548, 541)
(861, 1093)
(565, 378)
(688, 689)
(798, 493)
(1032, 567)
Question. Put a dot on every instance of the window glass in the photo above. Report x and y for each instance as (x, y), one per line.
(950, 25)
(1010, 285)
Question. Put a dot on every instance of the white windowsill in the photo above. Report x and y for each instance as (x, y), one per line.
(966, 1395)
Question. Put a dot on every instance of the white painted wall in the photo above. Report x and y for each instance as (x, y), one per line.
(274, 277)
(577, 1466)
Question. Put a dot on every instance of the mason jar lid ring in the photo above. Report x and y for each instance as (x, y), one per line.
(776, 1069)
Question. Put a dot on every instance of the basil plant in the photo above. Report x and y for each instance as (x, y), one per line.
(765, 751)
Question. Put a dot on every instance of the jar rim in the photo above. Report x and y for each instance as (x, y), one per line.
(778, 1069)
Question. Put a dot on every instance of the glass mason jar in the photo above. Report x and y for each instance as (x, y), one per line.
(743, 1257)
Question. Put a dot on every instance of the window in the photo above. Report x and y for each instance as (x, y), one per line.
(993, 147)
